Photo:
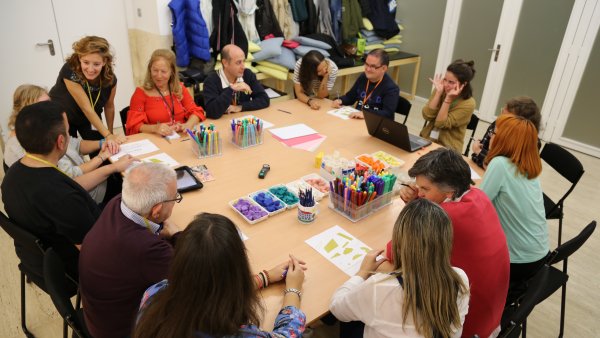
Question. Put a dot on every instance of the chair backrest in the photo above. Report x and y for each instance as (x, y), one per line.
(566, 164)
(123, 115)
(403, 107)
(471, 126)
(543, 284)
(29, 249)
(569, 247)
(60, 287)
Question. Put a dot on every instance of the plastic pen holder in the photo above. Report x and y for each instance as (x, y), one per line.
(355, 213)
(208, 149)
(245, 141)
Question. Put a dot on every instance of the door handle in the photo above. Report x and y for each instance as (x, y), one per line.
(50, 45)
(496, 50)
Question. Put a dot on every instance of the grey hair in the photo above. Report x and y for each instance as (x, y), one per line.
(145, 185)
(445, 168)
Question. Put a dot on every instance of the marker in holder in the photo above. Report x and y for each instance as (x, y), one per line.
(207, 141)
(246, 132)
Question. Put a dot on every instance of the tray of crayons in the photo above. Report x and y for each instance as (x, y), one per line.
(357, 197)
(246, 132)
(207, 141)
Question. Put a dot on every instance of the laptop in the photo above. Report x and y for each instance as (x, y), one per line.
(393, 132)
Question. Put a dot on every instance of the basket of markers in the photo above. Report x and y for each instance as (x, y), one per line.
(246, 132)
(207, 141)
(356, 196)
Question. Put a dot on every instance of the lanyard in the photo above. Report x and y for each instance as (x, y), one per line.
(368, 95)
(35, 158)
(172, 107)
(92, 102)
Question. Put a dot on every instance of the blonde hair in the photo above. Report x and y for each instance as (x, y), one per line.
(421, 247)
(24, 95)
(169, 57)
(93, 45)
(516, 138)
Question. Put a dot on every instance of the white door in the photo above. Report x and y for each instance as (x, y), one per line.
(25, 24)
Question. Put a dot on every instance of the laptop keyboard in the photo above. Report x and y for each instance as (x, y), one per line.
(416, 142)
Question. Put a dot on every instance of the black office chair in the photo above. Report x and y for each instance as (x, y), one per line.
(403, 107)
(59, 285)
(561, 253)
(123, 115)
(569, 167)
(30, 251)
(471, 126)
(543, 284)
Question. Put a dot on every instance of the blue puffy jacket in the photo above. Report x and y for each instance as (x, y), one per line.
(190, 34)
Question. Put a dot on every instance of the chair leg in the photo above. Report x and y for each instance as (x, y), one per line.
(65, 329)
(563, 303)
(23, 316)
(560, 229)
(524, 329)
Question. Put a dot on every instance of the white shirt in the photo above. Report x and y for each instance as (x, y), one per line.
(378, 301)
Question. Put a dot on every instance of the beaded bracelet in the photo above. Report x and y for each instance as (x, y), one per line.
(260, 283)
(267, 275)
(296, 291)
(264, 279)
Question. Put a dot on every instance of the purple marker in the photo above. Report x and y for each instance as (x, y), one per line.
(284, 274)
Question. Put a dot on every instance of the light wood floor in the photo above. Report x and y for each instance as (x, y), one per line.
(583, 298)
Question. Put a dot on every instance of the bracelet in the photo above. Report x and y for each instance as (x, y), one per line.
(264, 279)
(260, 283)
(102, 142)
(266, 273)
(101, 158)
(296, 291)
(447, 102)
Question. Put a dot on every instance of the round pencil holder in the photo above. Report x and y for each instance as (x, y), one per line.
(307, 215)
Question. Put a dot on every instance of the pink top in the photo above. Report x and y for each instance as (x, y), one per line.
(145, 109)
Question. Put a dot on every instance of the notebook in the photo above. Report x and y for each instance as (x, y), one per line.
(393, 132)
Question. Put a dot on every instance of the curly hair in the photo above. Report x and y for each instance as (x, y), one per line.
(24, 95)
(93, 45)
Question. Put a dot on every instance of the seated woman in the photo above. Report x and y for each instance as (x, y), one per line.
(521, 106)
(423, 297)
(450, 106)
(162, 105)
(512, 184)
(314, 77)
(90, 175)
(211, 291)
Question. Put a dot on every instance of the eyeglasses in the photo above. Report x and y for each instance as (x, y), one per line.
(368, 66)
(177, 199)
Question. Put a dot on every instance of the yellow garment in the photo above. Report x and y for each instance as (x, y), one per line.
(374, 46)
(253, 47)
(273, 65)
(272, 72)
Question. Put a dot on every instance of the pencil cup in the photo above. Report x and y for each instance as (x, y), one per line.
(209, 149)
(307, 215)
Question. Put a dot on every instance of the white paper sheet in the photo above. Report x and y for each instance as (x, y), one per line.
(343, 112)
(162, 158)
(271, 93)
(134, 149)
(340, 248)
(295, 130)
(474, 175)
(173, 136)
(266, 124)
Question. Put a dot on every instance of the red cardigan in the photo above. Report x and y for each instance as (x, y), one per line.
(145, 109)
(479, 248)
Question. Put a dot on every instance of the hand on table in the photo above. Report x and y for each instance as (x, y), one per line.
(314, 104)
(110, 146)
(234, 109)
(120, 139)
(164, 129)
(336, 103)
(357, 115)
(295, 274)
(124, 162)
(279, 272)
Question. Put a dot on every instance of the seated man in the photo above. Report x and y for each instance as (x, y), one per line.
(38, 196)
(127, 249)
(233, 88)
(479, 245)
(374, 90)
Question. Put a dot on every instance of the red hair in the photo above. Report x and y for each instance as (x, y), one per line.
(516, 138)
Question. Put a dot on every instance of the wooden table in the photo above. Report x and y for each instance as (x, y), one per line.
(270, 241)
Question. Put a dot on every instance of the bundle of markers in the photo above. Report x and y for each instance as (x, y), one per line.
(208, 141)
(354, 191)
(306, 197)
(246, 132)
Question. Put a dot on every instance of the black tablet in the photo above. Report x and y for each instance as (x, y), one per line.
(186, 180)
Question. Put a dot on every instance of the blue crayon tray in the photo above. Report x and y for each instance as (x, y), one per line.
(271, 213)
(355, 213)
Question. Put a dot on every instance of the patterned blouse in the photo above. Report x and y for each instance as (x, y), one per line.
(290, 321)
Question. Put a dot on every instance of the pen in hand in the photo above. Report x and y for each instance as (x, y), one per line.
(408, 185)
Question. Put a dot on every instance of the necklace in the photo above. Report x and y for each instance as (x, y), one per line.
(171, 108)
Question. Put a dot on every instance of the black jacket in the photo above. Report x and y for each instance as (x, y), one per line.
(384, 21)
(265, 20)
(227, 28)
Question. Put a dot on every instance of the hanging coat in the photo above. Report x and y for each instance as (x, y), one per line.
(383, 18)
(265, 20)
(283, 12)
(299, 11)
(310, 25)
(246, 11)
(227, 27)
(324, 15)
(190, 34)
(351, 19)
(335, 7)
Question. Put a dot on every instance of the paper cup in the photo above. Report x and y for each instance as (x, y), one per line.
(307, 215)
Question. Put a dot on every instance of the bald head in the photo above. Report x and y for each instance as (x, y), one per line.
(233, 58)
